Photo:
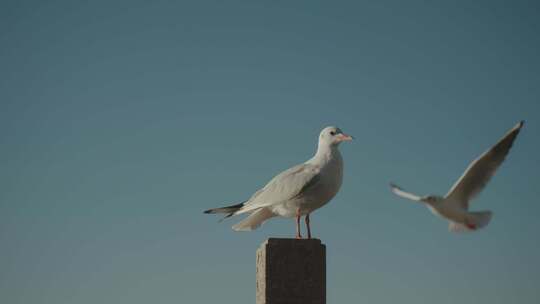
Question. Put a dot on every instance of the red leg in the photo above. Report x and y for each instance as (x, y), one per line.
(471, 226)
(308, 227)
(298, 234)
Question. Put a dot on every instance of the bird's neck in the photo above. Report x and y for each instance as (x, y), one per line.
(325, 153)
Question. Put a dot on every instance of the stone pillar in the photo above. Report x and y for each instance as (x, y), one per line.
(291, 271)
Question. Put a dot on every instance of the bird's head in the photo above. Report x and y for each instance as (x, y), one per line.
(432, 199)
(333, 136)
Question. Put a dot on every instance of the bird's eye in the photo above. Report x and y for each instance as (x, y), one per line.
(332, 133)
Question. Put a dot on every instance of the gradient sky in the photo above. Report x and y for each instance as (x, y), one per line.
(121, 121)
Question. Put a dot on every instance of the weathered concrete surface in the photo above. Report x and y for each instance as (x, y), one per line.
(291, 271)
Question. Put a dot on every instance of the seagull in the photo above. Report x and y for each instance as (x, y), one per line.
(454, 207)
(297, 191)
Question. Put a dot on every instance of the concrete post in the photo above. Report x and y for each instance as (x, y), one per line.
(291, 271)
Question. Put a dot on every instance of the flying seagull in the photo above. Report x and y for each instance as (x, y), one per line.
(455, 205)
(297, 191)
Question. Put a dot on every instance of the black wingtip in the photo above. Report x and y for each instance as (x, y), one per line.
(227, 209)
(518, 126)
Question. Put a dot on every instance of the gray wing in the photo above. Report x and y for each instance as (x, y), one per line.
(283, 187)
(480, 171)
(400, 192)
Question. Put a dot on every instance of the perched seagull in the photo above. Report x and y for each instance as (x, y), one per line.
(455, 205)
(296, 191)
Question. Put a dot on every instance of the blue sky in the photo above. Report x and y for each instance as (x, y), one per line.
(122, 121)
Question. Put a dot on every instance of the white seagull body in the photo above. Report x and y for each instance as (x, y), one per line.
(455, 205)
(296, 191)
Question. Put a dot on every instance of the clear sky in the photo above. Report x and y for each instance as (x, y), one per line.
(121, 121)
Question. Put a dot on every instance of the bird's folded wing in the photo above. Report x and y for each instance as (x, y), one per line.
(480, 171)
(400, 192)
(285, 186)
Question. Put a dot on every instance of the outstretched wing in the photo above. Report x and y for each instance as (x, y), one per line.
(480, 171)
(400, 192)
(283, 187)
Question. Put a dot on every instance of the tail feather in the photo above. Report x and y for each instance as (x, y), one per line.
(478, 220)
(230, 210)
(254, 220)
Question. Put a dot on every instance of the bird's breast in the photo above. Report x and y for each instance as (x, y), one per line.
(331, 179)
(449, 211)
(329, 183)
(332, 176)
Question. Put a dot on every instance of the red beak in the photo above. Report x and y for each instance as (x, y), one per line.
(344, 137)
